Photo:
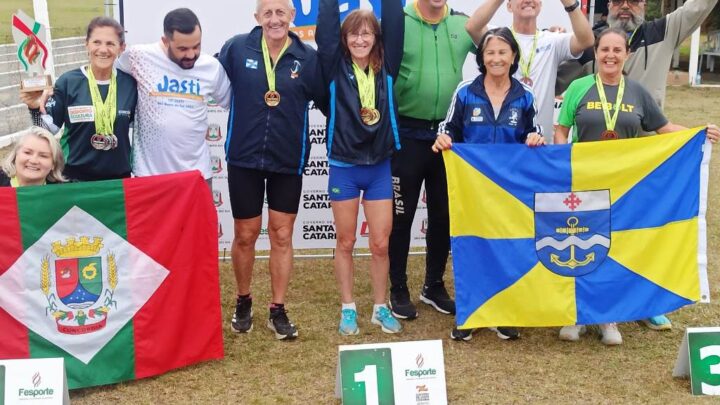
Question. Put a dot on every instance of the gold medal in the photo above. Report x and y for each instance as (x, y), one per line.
(369, 116)
(272, 98)
(608, 135)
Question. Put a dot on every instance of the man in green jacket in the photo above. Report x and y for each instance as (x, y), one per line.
(436, 46)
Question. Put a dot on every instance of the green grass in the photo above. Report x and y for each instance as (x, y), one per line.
(68, 18)
(537, 368)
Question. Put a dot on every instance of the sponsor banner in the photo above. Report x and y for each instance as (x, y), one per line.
(392, 373)
(33, 381)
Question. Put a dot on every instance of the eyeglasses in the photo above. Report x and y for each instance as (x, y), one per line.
(365, 36)
(618, 3)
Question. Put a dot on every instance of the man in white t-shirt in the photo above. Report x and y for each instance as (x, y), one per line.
(174, 82)
(540, 51)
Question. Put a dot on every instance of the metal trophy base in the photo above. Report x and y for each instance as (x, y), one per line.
(35, 83)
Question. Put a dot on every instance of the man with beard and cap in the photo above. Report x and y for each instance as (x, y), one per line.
(274, 76)
(174, 82)
(652, 44)
(540, 51)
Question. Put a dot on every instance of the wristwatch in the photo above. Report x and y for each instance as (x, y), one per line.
(572, 7)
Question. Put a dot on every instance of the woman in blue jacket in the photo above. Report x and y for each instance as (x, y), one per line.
(358, 72)
(493, 108)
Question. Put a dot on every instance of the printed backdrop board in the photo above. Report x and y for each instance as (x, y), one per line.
(222, 19)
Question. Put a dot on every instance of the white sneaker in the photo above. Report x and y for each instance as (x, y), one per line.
(610, 334)
(572, 333)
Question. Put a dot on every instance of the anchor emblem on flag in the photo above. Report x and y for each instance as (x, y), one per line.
(572, 231)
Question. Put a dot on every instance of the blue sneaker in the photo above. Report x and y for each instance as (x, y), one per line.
(348, 323)
(660, 322)
(386, 320)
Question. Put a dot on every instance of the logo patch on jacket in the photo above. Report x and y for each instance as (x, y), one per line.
(251, 63)
(476, 115)
(514, 116)
(295, 69)
(81, 113)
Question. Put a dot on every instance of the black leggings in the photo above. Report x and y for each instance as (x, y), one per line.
(411, 165)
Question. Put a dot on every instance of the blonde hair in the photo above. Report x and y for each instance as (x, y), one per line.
(55, 175)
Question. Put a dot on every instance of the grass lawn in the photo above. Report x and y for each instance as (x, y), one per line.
(537, 368)
(64, 16)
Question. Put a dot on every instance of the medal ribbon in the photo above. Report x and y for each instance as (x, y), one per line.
(14, 182)
(105, 111)
(270, 68)
(526, 64)
(632, 35)
(366, 86)
(610, 121)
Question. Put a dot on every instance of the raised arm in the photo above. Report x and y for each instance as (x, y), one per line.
(583, 37)
(392, 24)
(476, 25)
(327, 37)
(686, 19)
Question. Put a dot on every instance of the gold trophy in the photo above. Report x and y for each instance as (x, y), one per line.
(30, 38)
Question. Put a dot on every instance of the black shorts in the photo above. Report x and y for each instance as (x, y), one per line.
(247, 191)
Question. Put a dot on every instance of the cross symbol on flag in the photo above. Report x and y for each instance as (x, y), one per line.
(572, 201)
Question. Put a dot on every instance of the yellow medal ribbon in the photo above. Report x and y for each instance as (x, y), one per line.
(366, 86)
(269, 67)
(14, 182)
(632, 35)
(526, 64)
(105, 111)
(610, 121)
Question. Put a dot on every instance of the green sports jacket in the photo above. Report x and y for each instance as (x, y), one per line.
(432, 64)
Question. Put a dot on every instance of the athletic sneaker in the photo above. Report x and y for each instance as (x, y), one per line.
(437, 297)
(660, 322)
(461, 334)
(610, 334)
(281, 325)
(506, 333)
(571, 333)
(242, 318)
(401, 305)
(386, 320)
(348, 323)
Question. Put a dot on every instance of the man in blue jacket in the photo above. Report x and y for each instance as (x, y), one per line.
(274, 75)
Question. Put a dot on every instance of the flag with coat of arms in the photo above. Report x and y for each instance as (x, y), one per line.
(581, 234)
(120, 277)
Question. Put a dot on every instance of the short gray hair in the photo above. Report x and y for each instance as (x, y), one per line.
(291, 5)
(55, 175)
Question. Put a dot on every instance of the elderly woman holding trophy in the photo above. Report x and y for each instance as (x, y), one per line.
(96, 104)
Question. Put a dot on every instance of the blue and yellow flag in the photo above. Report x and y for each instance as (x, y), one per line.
(578, 234)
